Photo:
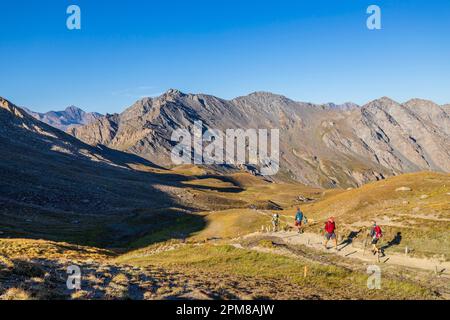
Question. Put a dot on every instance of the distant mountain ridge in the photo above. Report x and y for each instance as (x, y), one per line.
(321, 145)
(345, 106)
(66, 119)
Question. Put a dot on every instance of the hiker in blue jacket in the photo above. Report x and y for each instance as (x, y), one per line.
(299, 217)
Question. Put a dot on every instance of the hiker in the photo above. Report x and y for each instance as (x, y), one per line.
(376, 233)
(330, 233)
(299, 217)
(275, 221)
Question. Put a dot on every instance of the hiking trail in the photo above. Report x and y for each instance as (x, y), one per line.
(349, 250)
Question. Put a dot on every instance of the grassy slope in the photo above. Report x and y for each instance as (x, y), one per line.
(353, 208)
(422, 222)
(232, 206)
(262, 273)
(322, 282)
(422, 215)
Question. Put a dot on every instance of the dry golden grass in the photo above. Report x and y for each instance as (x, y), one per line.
(42, 249)
(189, 170)
(230, 224)
(15, 294)
(80, 295)
(120, 279)
(242, 190)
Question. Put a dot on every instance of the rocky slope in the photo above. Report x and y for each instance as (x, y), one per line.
(69, 118)
(446, 108)
(321, 145)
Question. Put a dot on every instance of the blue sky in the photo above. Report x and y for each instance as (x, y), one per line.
(315, 50)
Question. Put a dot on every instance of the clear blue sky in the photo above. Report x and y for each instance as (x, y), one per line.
(315, 50)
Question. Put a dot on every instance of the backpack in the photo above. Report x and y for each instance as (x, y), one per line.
(330, 227)
(376, 232)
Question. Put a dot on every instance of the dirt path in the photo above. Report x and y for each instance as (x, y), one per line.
(315, 241)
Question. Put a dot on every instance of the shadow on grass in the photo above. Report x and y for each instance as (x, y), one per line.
(120, 231)
(45, 279)
(394, 242)
(55, 187)
(349, 240)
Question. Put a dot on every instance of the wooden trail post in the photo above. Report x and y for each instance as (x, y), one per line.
(305, 272)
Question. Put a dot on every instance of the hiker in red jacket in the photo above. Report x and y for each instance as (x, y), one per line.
(376, 233)
(330, 233)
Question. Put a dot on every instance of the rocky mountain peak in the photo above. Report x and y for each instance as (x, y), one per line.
(385, 101)
(173, 93)
(74, 110)
(264, 99)
(265, 95)
(73, 114)
(418, 103)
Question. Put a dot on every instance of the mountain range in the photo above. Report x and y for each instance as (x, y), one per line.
(320, 145)
(69, 118)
